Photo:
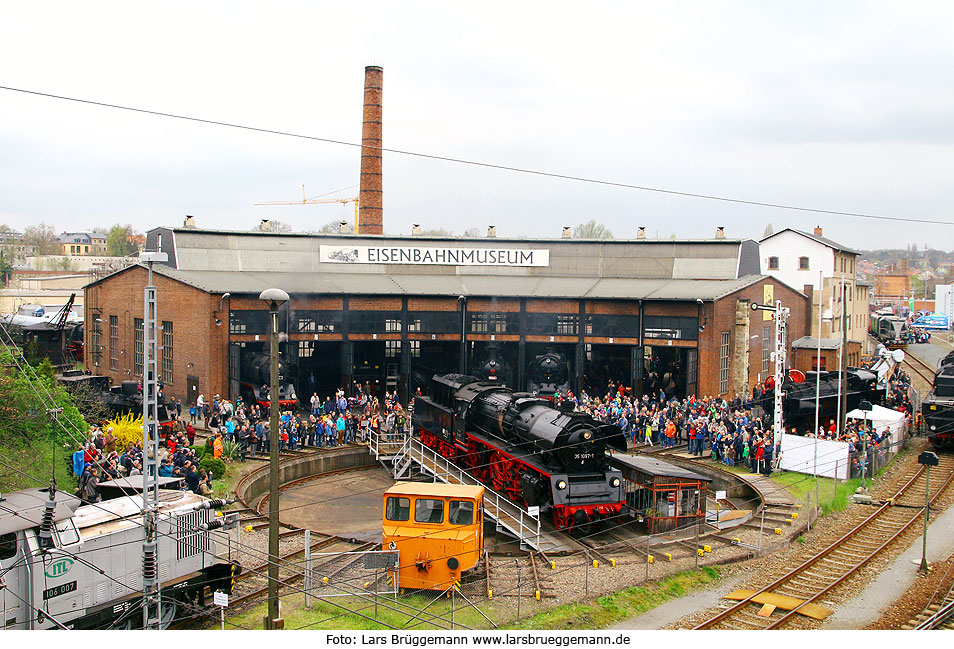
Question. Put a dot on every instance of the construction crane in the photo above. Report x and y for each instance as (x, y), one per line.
(312, 201)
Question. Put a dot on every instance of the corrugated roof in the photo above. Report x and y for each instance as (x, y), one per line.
(237, 282)
(807, 342)
(194, 250)
(652, 466)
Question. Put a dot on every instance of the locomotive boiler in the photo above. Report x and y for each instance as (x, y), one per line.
(524, 448)
(799, 398)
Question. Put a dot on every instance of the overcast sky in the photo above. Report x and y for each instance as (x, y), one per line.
(845, 106)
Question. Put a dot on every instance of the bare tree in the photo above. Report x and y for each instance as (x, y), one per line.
(592, 230)
(274, 225)
(43, 238)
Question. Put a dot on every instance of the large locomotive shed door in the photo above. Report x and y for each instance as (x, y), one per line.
(11, 554)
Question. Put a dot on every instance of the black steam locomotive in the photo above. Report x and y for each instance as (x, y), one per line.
(799, 397)
(937, 409)
(523, 448)
(549, 375)
(255, 377)
(119, 399)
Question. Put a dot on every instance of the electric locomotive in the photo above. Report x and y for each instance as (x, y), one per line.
(80, 566)
(937, 409)
(524, 448)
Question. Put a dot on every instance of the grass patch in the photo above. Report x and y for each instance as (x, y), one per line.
(336, 613)
(802, 487)
(621, 605)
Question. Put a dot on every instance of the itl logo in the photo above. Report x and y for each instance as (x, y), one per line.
(59, 568)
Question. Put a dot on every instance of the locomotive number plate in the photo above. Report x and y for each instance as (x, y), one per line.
(583, 456)
(62, 589)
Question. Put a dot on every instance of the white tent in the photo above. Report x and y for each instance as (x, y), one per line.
(879, 417)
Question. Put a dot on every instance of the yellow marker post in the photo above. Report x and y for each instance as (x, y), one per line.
(490, 594)
(552, 565)
(650, 558)
(701, 552)
(794, 514)
(613, 562)
(707, 548)
(778, 530)
(537, 595)
(596, 564)
(248, 528)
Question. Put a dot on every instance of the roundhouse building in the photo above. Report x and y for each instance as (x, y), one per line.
(386, 312)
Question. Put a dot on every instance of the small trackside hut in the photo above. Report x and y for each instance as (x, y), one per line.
(437, 530)
(665, 496)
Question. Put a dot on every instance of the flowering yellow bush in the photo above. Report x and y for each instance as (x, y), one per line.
(127, 430)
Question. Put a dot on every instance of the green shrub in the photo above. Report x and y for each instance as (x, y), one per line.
(231, 450)
(213, 465)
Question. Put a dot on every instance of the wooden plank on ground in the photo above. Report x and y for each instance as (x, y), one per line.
(814, 611)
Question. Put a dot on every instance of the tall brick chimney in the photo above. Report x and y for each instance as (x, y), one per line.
(370, 196)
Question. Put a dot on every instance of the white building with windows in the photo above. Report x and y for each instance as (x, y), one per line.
(827, 270)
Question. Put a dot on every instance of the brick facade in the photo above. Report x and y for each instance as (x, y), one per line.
(201, 348)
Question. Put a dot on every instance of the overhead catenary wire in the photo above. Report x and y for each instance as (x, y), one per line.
(486, 165)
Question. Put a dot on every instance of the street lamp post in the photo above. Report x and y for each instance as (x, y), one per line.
(274, 298)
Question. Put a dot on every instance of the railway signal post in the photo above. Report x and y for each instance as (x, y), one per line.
(928, 459)
(780, 316)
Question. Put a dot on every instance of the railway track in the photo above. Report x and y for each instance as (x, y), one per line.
(790, 600)
(254, 583)
(922, 369)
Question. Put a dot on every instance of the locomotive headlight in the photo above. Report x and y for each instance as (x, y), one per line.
(587, 434)
(614, 482)
(933, 427)
(561, 484)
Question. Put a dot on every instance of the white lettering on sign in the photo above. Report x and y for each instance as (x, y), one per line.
(440, 256)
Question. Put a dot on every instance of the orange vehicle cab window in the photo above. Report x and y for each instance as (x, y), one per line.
(398, 509)
(460, 512)
(428, 510)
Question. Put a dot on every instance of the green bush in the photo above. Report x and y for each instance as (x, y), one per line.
(213, 465)
(231, 450)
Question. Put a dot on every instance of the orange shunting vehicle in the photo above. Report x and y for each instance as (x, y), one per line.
(437, 529)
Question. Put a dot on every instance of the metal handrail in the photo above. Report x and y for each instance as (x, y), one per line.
(528, 526)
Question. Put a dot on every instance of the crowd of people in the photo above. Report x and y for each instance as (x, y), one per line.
(731, 431)
(725, 429)
(100, 461)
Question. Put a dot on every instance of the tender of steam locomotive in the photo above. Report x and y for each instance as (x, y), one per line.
(80, 567)
(255, 378)
(523, 448)
(938, 406)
